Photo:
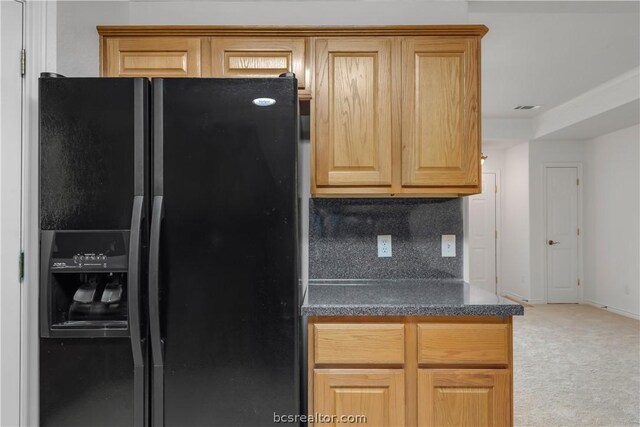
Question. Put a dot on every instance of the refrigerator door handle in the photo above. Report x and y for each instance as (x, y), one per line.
(157, 350)
(133, 280)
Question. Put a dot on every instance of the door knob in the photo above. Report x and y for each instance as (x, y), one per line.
(551, 242)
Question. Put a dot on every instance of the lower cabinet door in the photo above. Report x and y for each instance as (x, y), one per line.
(376, 396)
(464, 397)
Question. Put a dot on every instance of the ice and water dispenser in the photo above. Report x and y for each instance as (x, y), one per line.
(84, 283)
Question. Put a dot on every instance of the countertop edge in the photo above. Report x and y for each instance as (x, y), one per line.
(506, 310)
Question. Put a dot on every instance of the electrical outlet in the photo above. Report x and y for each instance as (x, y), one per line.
(448, 245)
(384, 246)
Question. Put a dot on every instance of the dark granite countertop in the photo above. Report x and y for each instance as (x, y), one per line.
(411, 297)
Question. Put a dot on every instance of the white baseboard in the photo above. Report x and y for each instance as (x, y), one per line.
(515, 296)
(518, 297)
(619, 311)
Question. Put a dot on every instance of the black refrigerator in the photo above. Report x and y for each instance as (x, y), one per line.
(169, 284)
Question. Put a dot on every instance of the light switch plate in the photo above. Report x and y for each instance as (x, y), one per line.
(384, 246)
(448, 245)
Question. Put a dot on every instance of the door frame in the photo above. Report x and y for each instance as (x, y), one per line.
(11, 246)
(498, 230)
(40, 45)
(579, 249)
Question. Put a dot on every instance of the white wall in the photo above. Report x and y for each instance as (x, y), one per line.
(77, 39)
(337, 12)
(515, 222)
(610, 226)
(494, 161)
(611, 215)
(541, 152)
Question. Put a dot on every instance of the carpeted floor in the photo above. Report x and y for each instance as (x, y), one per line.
(576, 365)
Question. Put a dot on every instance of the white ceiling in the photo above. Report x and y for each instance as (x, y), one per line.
(546, 53)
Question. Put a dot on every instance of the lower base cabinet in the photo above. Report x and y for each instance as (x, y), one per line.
(410, 371)
(463, 397)
(363, 397)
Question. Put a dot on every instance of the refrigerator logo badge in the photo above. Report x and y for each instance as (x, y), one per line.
(264, 102)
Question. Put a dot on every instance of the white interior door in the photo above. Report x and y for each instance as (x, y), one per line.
(482, 235)
(11, 21)
(562, 234)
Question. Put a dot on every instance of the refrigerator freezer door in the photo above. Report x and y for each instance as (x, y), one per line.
(87, 144)
(94, 146)
(228, 249)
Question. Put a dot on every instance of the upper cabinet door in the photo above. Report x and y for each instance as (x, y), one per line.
(258, 57)
(441, 112)
(353, 112)
(151, 57)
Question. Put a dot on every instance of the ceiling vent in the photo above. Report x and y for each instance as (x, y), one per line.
(527, 107)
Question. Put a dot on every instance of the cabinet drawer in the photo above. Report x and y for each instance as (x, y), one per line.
(470, 344)
(344, 343)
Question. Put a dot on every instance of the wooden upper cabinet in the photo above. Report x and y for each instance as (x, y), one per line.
(258, 57)
(440, 112)
(352, 112)
(395, 110)
(151, 57)
(464, 398)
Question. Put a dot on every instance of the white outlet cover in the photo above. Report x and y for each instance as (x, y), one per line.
(448, 245)
(384, 246)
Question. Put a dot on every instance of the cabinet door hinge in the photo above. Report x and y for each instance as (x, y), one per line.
(578, 282)
(23, 62)
(496, 189)
(577, 181)
(578, 231)
(21, 265)
(496, 280)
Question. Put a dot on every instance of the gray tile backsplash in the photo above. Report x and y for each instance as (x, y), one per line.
(343, 238)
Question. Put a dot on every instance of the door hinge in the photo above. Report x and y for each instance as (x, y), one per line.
(578, 231)
(496, 234)
(577, 181)
(578, 282)
(496, 189)
(496, 280)
(23, 62)
(21, 265)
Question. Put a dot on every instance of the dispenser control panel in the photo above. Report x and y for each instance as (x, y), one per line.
(90, 250)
